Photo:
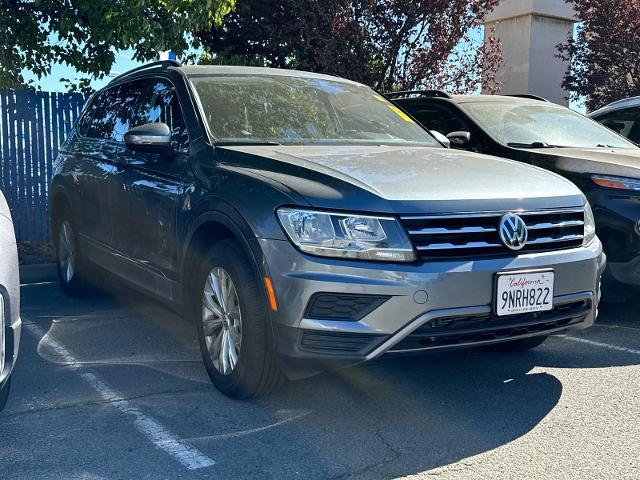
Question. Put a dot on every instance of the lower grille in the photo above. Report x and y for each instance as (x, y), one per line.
(476, 234)
(452, 331)
(339, 343)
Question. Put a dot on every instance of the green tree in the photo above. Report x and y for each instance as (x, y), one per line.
(605, 55)
(387, 44)
(34, 34)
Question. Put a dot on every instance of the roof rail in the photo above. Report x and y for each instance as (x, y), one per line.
(617, 105)
(529, 96)
(159, 63)
(624, 100)
(421, 93)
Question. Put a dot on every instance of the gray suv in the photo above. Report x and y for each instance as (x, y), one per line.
(304, 222)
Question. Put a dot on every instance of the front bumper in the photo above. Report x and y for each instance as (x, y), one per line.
(11, 339)
(626, 272)
(618, 226)
(418, 294)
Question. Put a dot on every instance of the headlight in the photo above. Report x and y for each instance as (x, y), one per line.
(347, 236)
(589, 225)
(621, 183)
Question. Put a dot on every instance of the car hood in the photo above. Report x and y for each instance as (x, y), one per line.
(414, 173)
(606, 161)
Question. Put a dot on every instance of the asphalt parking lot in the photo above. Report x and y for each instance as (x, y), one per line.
(113, 387)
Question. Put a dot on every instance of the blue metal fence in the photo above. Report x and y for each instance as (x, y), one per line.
(32, 126)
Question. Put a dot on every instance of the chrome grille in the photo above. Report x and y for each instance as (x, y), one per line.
(474, 234)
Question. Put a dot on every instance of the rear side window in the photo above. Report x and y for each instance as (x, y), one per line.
(160, 104)
(625, 122)
(85, 120)
(439, 119)
(114, 112)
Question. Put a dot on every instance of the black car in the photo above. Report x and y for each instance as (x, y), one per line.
(530, 129)
(622, 117)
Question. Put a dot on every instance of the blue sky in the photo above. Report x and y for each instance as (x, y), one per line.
(51, 83)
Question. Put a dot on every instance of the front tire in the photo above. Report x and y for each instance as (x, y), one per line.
(233, 325)
(521, 345)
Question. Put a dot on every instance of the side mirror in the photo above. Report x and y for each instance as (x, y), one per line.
(150, 138)
(441, 138)
(460, 140)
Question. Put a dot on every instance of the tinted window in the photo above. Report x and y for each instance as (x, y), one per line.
(435, 118)
(625, 122)
(114, 110)
(160, 104)
(85, 120)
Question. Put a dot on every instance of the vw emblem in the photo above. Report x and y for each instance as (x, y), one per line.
(513, 231)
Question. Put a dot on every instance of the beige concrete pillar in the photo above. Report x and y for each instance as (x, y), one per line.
(529, 31)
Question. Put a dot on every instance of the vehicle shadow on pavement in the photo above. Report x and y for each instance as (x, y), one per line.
(393, 417)
(424, 412)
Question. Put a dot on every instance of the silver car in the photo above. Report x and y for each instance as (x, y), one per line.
(9, 301)
(305, 222)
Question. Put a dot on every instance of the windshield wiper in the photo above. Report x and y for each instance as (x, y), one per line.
(532, 145)
(231, 143)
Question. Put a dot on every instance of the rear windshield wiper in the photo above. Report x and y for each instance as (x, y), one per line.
(532, 145)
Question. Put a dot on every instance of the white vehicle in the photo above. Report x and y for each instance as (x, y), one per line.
(9, 301)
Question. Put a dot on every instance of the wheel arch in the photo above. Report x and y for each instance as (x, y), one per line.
(59, 201)
(211, 227)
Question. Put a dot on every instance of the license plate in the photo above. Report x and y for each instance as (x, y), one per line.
(524, 292)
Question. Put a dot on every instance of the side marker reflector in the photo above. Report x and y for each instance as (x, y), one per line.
(271, 294)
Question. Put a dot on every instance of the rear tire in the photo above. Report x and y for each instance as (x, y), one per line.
(228, 302)
(521, 345)
(4, 393)
(72, 271)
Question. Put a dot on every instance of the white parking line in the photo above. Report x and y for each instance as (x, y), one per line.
(35, 284)
(162, 438)
(615, 326)
(600, 344)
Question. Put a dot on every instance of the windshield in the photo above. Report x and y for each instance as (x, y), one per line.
(540, 124)
(301, 110)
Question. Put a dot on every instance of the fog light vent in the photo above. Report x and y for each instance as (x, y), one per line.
(342, 306)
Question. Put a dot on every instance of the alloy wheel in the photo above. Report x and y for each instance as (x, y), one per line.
(221, 320)
(66, 252)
